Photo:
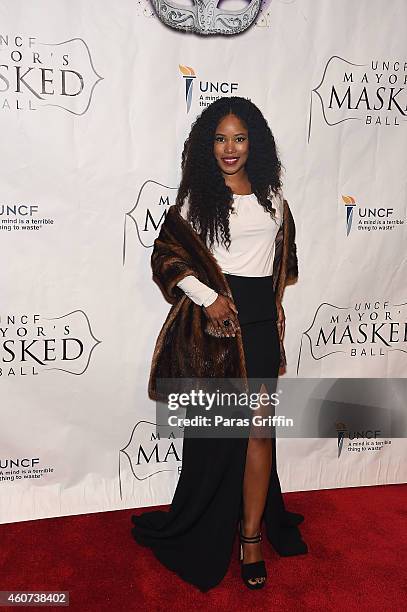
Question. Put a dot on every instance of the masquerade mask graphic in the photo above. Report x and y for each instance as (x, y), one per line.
(205, 17)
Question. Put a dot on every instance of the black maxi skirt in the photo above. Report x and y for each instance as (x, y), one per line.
(195, 537)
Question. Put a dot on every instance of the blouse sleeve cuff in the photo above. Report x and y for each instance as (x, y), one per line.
(197, 291)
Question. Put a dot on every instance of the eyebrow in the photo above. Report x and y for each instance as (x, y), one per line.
(239, 134)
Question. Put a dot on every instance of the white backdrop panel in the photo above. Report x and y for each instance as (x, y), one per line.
(93, 119)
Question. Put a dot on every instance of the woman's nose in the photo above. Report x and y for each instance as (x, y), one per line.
(229, 146)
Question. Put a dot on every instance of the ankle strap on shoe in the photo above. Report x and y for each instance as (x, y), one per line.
(250, 540)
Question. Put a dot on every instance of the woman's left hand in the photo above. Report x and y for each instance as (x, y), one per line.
(280, 321)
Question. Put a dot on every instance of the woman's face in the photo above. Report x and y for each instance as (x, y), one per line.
(231, 145)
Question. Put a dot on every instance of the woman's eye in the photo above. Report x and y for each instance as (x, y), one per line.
(237, 139)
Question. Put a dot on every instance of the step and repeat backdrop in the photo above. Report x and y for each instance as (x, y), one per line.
(96, 100)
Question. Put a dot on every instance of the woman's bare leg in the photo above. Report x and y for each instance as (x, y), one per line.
(255, 486)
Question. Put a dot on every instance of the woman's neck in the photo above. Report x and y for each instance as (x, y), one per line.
(239, 185)
(242, 191)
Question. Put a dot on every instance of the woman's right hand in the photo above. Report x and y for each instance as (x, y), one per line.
(219, 311)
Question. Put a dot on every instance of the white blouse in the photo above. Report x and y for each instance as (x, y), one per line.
(251, 253)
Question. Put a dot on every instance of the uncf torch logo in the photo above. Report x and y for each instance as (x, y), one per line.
(188, 76)
(350, 204)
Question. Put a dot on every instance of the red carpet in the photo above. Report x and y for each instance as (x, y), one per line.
(357, 560)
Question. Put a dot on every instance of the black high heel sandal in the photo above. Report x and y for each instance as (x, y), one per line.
(254, 575)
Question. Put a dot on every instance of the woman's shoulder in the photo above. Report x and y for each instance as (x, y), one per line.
(277, 200)
(180, 211)
(184, 208)
(173, 210)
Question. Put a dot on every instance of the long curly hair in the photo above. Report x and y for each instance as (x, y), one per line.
(202, 181)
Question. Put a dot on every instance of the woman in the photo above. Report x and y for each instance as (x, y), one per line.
(224, 254)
